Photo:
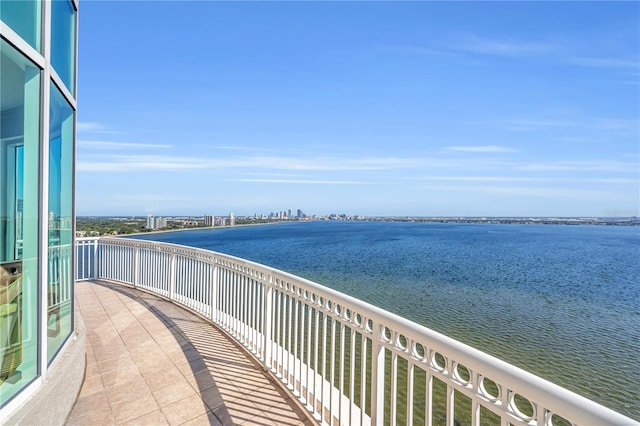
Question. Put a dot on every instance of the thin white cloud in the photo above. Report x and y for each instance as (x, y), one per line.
(530, 124)
(408, 50)
(604, 62)
(512, 179)
(598, 123)
(93, 127)
(476, 44)
(241, 148)
(483, 148)
(302, 181)
(139, 163)
(132, 163)
(581, 166)
(126, 198)
(118, 145)
(528, 192)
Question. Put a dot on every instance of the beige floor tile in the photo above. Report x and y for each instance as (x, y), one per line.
(119, 376)
(282, 414)
(134, 388)
(186, 409)
(98, 417)
(213, 397)
(153, 363)
(232, 416)
(88, 403)
(162, 378)
(91, 385)
(155, 417)
(134, 408)
(192, 367)
(123, 362)
(173, 392)
(207, 419)
(203, 381)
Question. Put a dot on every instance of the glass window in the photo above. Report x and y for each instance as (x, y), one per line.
(19, 130)
(63, 28)
(59, 319)
(23, 16)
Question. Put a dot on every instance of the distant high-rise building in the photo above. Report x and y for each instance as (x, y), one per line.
(208, 220)
(232, 219)
(160, 222)
(150, 222)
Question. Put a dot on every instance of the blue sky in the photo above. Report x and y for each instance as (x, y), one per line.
(371, 108)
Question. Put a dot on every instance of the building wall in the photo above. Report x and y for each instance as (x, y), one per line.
(38, 65)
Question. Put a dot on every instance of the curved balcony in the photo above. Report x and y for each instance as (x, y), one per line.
(347, 362)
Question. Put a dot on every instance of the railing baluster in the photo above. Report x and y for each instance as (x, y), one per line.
(451, 405)
(280, 334)
(134, 265)
(332, 358)
(324, 367)
(394, 389)
(304, 338)
(377, 377)
(290, 339)
(428, 403)
(213, 293)
(410, 405)
(172, 276)
(341, 371)
(352, 371)
(363, 378)
(297, 383)
(316, 354)
(267, 314)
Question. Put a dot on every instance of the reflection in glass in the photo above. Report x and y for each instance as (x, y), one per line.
(23, 17)
(63, 27)
(19, 128)
(59, 319)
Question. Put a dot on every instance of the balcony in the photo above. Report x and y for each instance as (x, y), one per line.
(182, 312)
(152, 362)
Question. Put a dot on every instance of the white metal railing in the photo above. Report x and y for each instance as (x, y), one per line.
(347, 361)
(59, 275)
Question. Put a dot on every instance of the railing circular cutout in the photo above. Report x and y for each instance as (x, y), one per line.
(556, 420)
(439, 361)
(401, 342)
(385, 334)
(490, 389)
(418, 351)
(348, 315)
(461, 373)
(358, 319)
(522, 407)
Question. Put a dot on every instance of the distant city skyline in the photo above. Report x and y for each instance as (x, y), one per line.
(363, 108)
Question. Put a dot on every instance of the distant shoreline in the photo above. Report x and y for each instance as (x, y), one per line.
(566, 221)
(200, 228)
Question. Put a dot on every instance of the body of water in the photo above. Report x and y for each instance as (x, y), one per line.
(562, 302)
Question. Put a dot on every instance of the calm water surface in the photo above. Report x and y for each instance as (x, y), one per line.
(562, 302)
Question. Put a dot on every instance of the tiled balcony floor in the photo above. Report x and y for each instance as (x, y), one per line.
(151, 362)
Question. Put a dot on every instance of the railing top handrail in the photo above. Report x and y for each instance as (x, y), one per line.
(532, 387)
